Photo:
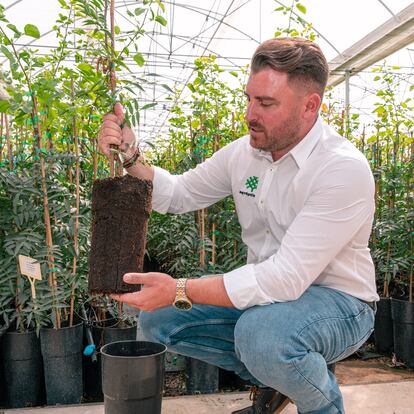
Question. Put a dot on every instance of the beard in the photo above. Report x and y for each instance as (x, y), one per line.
(278, 138)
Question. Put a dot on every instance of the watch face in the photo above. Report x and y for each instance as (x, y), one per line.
(183, 304)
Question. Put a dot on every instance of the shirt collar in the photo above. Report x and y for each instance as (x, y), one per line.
(301, 152)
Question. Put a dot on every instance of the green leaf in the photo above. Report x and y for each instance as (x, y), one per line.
(7, 53)
(86, 67)
(4, 106)
(117, 30)
(161, 20)
(301, 7)
(139, 11)
(150, 105)
(14, 28)
(166, 87)
(139, 59)
(32, 30)
(234, 73)
(63, 3)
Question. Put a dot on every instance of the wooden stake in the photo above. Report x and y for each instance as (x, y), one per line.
(1, 136)
(49, 239)
(9, 144)
(77, 207)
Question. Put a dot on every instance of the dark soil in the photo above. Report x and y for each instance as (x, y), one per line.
(120, 210)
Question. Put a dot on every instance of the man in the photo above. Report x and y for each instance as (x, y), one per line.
(305, 202)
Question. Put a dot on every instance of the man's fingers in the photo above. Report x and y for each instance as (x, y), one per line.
(136, 278)
(128, 298)
(119, 112)
(112, 118)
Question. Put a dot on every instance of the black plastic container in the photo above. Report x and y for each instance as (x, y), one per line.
(383, 331)
(202, 378)
(403, 320)
(23, 369)
(133, 377)
(62, 361)
(103, 333)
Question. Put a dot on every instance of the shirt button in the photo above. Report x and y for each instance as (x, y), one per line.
(261, 201)
(267, 232)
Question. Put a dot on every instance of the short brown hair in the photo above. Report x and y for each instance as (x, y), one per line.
(301, 59)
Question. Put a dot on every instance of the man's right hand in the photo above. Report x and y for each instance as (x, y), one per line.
(124, 138)
(111, 133)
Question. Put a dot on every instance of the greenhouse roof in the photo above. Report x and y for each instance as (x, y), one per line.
(232, 29)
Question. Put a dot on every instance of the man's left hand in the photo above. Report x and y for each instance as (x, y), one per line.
(157, 291)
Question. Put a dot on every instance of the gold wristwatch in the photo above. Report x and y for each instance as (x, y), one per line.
(181, 300)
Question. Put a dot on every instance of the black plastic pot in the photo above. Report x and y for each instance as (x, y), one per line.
(133, 377)
(403, 320)
(62, 360)
(202, 378)
(102, 333)
(383, 331)
(23, 369)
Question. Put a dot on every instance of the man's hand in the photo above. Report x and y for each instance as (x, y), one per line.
(157, 291)
(111, 133)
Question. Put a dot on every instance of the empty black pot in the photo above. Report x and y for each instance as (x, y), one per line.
(23, 369)
(383, 332)
(62, 361)
(102, 333)
(403, 319)
(203, 378)
(133, 377)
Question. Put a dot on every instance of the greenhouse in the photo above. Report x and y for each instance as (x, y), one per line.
(206, 206)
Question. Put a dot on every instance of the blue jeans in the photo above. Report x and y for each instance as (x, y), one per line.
(284, 345)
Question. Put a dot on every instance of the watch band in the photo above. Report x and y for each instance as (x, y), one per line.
(180, 290)
(181, 301)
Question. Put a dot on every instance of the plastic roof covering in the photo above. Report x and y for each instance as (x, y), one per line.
(230, 29)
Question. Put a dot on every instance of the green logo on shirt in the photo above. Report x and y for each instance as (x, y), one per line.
(252, 183)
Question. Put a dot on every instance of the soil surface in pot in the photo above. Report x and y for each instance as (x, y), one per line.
(120, 210)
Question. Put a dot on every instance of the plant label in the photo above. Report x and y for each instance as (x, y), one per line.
(30, 267)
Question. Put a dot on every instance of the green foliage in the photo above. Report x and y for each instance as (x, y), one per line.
(216, 118)
(22, 232)
(389, 149)
(296, 25)
(51, 101)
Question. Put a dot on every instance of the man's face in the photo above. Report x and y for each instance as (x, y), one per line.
(274, 111)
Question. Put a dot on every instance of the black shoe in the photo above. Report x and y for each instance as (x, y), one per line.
(265, 401)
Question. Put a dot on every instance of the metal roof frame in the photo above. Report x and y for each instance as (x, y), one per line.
(391, 36)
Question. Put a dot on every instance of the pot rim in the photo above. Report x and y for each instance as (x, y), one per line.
(102, 351)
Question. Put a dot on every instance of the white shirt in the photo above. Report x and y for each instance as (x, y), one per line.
(306, 218)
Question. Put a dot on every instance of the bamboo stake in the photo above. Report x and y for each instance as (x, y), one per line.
(95, 159)
(410, 293)
(9, 144)
(1, 136)
(116, 167)
(202, 215)
(49, 239)
(213, 225)
(76, 226)
(235, 246)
